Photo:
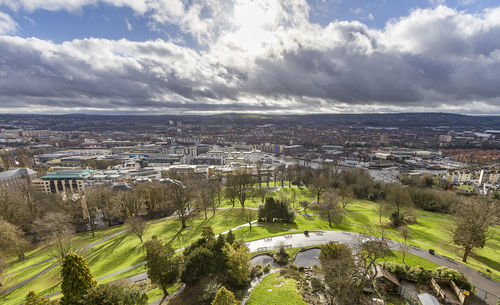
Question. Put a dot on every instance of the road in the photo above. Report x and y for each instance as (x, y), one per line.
(300, 240)
(318, 238)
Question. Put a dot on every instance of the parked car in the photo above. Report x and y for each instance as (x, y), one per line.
(432, 252)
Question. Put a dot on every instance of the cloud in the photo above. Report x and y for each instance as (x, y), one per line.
(435, 59)
(129, 25)
(7, 24)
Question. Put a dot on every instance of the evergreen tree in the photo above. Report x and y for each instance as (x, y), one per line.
(238, 262)
(76, 279)
(163, 266)
(224, 297)
(230, 237)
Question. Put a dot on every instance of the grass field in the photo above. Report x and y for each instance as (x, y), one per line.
(410, 260)
(125, 250)
(276, 290)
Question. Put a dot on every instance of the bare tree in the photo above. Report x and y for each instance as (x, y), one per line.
(329, 208)
(205, 197)
(401, 203)
(56, 230)
(216, 186)
(130, 203)
(231, 189)
(12, 239)
(249, 216)
(471, 223)
(404, 232)
(244, 186)
(181, 194)
(345, 194)
(137, 226)
(347, 272)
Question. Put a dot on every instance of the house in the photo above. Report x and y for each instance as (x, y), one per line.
(387, 280)
(17, 178)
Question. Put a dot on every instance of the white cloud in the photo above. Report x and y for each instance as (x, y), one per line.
(275, 60)
(129, 25)
(7, 24)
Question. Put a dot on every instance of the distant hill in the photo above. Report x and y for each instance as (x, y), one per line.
(126, 122)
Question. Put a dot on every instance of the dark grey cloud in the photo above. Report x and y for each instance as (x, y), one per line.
(434, 59)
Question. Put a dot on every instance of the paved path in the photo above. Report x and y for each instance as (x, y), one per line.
(83, 249)
(318, 238)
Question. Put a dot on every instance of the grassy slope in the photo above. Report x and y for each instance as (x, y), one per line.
(125, 250)
(276, 290)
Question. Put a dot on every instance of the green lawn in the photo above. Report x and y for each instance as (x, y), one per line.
(125, 250)
(276, 290)
(410, 260)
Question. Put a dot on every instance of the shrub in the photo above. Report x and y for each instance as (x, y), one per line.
(398, 269)
(208, 292)
(120, 293)
(301, 268)
(281, 256)
(266, 269)
(256, 271)
(459, 278)
(316, 284)
(418, 274)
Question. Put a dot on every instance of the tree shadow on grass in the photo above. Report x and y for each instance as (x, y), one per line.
(487, 261)
(110, 257)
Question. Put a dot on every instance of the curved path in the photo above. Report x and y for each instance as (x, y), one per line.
(490, 286)
(299, 240)
(82, 249)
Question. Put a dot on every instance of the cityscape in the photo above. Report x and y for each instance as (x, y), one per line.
(249, 152)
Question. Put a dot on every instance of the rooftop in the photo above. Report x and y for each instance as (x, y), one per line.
(427, 299)
(68, 174)
(17, 172)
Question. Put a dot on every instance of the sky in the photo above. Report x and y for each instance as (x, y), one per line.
(252, 56)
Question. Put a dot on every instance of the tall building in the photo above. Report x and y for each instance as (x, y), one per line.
(65, 181)
(17, 178)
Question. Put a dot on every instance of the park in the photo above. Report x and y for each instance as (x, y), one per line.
(115, 253)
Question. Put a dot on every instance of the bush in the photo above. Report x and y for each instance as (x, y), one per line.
(301, 268)
(124, 294)
(281, 256)
(316, 284)
(459, 278)
(256, 271)
(399, 269)
(418, 274)
(266, 269)
(208, 292)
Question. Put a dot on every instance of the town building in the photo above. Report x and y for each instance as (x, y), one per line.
(63, 181)
(15, 179)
